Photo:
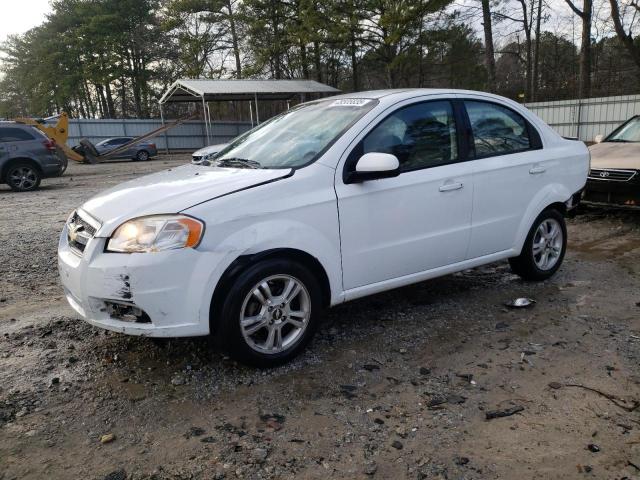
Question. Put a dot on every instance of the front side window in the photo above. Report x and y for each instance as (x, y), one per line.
(629, 132)
(296, 137)
(496, 130)
(420, 136)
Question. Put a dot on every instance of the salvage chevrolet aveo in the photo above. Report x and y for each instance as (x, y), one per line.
(330, 201)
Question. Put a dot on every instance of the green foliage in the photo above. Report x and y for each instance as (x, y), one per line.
(114, 58)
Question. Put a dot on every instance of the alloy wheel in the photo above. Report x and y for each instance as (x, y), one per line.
(23, 178)
(275, 314)
(547, 244)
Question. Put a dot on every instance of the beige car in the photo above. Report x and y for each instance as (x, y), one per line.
(614, 177)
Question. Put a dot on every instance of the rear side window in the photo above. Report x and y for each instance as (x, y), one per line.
(497, 130)
(420, 136)
(12, 134)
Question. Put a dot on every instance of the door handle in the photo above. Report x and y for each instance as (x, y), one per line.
(447, 187)
(537, 170)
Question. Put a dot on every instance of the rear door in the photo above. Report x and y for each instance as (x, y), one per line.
(509, 168)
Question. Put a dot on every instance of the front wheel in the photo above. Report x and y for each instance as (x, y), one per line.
(270, 313)
(544, 248)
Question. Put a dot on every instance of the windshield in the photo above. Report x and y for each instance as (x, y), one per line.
(296, 137)
(629, 132)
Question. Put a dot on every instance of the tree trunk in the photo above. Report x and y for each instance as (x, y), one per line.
(234, 39)
(536, 57)
(354, 61)
(489, 56)
(317, 60)
(585, 51)
(111, 111)
(625, 39)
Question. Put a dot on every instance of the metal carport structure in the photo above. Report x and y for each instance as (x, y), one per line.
(205, 91)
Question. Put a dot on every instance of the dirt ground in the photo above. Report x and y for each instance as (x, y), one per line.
(398, 385)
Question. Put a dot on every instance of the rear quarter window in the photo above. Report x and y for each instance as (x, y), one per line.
(12, 134)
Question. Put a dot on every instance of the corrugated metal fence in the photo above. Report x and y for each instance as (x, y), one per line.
(571, 118)
(187, 136)
(587, 118)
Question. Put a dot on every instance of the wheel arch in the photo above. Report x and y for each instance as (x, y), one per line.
(242, 262)
(555, 196)
(13, 161)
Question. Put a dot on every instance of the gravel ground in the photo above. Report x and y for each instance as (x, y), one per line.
(398, 385)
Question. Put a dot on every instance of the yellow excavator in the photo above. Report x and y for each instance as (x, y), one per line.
(86, 152)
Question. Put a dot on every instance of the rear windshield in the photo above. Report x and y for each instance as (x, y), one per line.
(298, 136)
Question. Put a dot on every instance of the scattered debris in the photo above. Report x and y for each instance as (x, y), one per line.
(108, 438)
(521, 302)
(555, 385)
(194, 432)
(117, 475)
(619, 402)
(370, 468)
(178, 380)
(592, 447)
(348, 391)
(461, 460)
(397, 444)
(507, 412)
(370, 367)
(425, 371)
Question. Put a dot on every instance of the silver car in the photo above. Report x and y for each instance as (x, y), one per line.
(27, 156)
(141, 151)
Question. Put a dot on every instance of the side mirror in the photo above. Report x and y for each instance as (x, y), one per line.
(373, 166)
(598, 138)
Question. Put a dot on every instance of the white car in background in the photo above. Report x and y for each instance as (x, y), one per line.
(330, 201)
(206, 153)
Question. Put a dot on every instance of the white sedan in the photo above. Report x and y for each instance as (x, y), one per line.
(330, 201)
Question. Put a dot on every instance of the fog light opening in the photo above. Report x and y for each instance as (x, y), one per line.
(126, 312)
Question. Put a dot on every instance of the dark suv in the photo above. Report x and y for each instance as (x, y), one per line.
(27, 156)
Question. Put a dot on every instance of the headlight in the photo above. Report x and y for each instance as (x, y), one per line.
(156, 233)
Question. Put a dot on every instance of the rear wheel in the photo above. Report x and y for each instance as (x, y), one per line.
(544, 248)
(23, 177)
(142, 156)
(270, 313)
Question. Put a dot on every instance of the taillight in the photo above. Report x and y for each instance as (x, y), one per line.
(153, 145)
(50, 144)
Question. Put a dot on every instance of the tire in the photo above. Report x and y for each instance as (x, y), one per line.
(260, 348)
(544, 248)
(23, 176)
(142, 156)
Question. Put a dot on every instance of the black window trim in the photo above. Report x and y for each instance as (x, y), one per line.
(458, 119)
(535, 141)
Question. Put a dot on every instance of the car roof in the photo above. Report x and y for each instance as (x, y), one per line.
(397, 94)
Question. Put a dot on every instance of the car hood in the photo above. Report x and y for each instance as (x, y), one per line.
(210, 149)
(615, 155)
(171, 191)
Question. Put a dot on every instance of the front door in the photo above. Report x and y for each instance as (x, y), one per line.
(414, 222)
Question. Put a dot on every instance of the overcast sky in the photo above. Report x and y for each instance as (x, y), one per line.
(18, 16)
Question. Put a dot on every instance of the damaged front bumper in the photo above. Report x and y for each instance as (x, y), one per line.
(161, 294)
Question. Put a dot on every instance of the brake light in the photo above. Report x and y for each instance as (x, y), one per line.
(50, 144)
(152, 145)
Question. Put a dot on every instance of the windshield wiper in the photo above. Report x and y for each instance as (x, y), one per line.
(620, 140)
(237, 163)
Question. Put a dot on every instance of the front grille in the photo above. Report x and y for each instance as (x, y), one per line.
(611, 175)
(79, 232)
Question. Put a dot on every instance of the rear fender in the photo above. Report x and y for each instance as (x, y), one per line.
(553, 193)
